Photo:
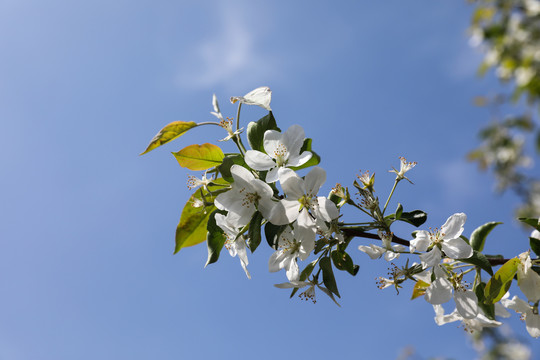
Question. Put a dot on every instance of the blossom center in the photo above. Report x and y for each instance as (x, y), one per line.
(289, 246)
(249, 198)
(227, 125)
(436, 237)
(307, 201)
(280, 154)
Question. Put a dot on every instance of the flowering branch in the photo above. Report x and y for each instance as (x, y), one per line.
(243, 197)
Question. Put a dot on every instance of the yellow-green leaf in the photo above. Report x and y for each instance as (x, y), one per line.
(191, 229)
(168, 133)
(419, 289)
(199, 157)
(499, 284)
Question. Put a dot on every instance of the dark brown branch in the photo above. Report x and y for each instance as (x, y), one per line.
(359, 233)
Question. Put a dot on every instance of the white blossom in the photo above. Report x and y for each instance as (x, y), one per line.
(302, 203)
(404, 167)
(446, 239)
(296, 243)
(282, 150)
(247, 195)
(376, 252)
(476, 323)
(260, 96)
(529, 314)
(234, 243)
(528, 279)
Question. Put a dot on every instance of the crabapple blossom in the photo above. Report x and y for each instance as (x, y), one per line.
(528, 279)
(282, 150)
(528, 312)
(440, 292)
(476, 323)
(404, 167)
(309, 294)
(234, 243)
(293, 243)
(247, 195)
(261, 96)
(446, 239)
(376, 252)
(302, 203)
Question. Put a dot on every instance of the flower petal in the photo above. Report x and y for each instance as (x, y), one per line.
(272, 175)
(431, 258)
(327, 210)
(420, 242)
(293, 139)
(453, 227)
(372, 250)
(528, 279)
(292, 271)
(532, 322)
(457, 248)
(273, 143)
(291, 183)
(284, 212)
(466, 303)
(259, 161)
(299, 159)
(441, 319)
(314, 180)
(261, 96)
(439, 292)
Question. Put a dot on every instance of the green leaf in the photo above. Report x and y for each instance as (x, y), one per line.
(254, 231)
(315, 159)
(399, 211)
(215, 238)
(168, 133)
(191, 229)
(342, 261)
(256, 130)
(479, 260)
(535, 245)
(272, 233)
(531, 221)
(489, 309)
(501, 281)
(227, 163)
(199, 157)
(478, 236)
(328, 275)
(415, 217)
(319, 245)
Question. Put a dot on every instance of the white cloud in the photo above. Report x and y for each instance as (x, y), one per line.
(230, 55)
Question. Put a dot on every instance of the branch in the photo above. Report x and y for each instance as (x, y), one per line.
(360, 233)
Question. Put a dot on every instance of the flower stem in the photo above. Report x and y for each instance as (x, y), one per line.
(390, 196)
(238, 139)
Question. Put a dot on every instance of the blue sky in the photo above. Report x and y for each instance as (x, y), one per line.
(87, 229)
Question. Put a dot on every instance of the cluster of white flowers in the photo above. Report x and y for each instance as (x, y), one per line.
(254, 189)
(261, 187)
(440, 283)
